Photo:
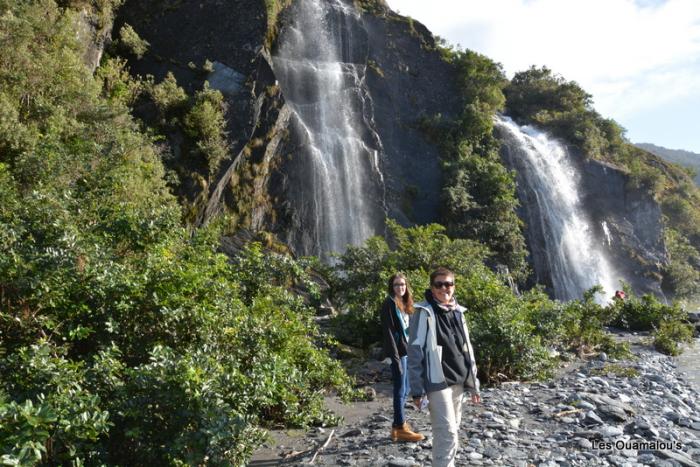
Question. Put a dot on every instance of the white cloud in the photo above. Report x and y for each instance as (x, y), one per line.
(630, 55)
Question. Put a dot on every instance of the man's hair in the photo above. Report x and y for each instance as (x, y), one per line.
(441, 272)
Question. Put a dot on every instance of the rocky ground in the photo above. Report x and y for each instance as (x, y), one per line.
(640, 411)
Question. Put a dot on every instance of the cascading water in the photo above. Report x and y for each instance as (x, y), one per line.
(322, 74)
(548, 181)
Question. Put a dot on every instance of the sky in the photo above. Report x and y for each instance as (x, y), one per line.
(639, 59)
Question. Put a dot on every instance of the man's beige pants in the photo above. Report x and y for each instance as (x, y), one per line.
(445, 416)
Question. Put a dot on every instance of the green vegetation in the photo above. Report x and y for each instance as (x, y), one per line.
(615, 369)
(196, 126)
(512, 335)
(668, 323)
(126, 339)
(687, 159)
(273, 8)
(540, 97)
(375, 7)
(131, 40)
(479, 192)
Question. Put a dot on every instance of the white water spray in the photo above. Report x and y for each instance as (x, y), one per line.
(327, 92)
(575, 261)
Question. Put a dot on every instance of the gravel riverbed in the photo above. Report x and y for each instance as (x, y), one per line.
(640, 411)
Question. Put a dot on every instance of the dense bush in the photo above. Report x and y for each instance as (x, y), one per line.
(126, 338)
(503, 337)
(513, 336)
(668, 323)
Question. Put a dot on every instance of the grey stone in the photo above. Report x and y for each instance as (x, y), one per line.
(592, 418)
(397, 462)
(609, 431)
(492, 453)
(646, 458)
(583, 443)
(226, 79)
(675, 456)
(585, 405)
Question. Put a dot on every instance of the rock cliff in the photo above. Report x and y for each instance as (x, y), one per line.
(635, 231)
(406, 79)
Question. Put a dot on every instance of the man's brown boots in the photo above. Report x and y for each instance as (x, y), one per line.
(404, 433)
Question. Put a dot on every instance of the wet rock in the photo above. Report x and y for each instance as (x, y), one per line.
(398, 462)
(592, 418)
(609, 431)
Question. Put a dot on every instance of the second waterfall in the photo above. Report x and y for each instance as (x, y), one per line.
(321, 65)
(565, 249)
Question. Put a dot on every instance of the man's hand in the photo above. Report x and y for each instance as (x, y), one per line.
(476, 398)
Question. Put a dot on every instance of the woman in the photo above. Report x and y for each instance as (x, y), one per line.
(395, 313)
(441, 363)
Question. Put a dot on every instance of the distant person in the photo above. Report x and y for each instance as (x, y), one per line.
(619, 295)
(441, 363)
(395, 314)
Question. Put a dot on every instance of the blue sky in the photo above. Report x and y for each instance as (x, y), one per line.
(640, 59)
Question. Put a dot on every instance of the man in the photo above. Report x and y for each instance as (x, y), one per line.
(441, 363)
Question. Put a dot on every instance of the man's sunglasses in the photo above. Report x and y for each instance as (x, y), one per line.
(441, 284)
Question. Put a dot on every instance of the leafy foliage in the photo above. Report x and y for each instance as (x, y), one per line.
(539, 96)
(131, 40)
(126, 338)
(503, 337)
(668, 323)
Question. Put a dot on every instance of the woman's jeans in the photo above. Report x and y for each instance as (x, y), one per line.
(400, 380)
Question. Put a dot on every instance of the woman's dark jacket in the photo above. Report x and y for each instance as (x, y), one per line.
(395, 342)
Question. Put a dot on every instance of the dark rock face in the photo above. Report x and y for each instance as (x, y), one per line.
(635, 226)
(231, 32)
(231, 35)
(408, 81)
(405, 79)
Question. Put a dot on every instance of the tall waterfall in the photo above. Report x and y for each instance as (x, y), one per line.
(322, 75)
(548, 181)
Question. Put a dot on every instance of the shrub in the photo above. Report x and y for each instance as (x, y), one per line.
(167, 95)
(205, 123)
(671, 335)
(503, 338)
(126, 338)
(131, 40)
(643, 313)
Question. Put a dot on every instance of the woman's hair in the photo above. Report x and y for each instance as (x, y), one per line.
(441, 272)
(406, 302)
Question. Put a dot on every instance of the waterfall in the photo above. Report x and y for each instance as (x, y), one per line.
(548, 185)
(322, 75)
